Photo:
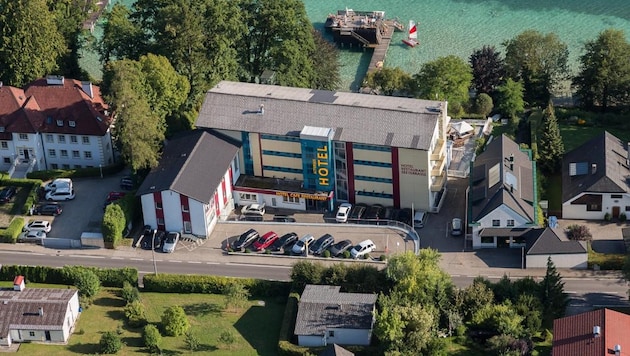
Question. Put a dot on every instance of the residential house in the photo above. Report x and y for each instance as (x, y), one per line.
(37, 314)
(192, 185)
(54, 123)
(553, 243)
(596, 179)
(600, 332)
(327, 316)
(502, 195)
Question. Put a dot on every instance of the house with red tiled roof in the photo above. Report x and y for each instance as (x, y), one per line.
(54, 123)
(595, 333)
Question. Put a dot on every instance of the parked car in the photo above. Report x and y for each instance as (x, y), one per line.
(251, 217)
(419, 219)
(113, 196)
(283, 218)
(7, 193)
(53, 209)
(265, 241)
(404, 216)
(170, 242)
(388, 212)
(284, 241)
(301, 244)
(147, 233)
(456, 227)
(254, 209)
(126, 183)
(343, 212)
(357, 211)
(149, 238)
(32, 236)
(340, 247)
(60, 194)
(158, 240)
(58, 183)
(38, 225)
(362, 249)
(321, 244)
(374, 212)
(246, 239)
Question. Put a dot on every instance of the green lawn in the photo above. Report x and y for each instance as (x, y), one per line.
(256, 327)
(574, 135)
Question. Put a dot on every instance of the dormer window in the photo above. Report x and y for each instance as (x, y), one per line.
(72, 123)
(59, 122)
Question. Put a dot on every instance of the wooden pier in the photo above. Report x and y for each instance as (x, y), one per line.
(380, 49)
(93, 17)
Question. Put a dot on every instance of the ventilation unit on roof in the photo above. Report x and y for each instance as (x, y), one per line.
(59, 122)
(72, 123)
(597, 331)
(617, 350)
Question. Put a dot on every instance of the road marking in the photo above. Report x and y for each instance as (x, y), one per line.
(570, 292)
(84, 256)
(137, 259)
(495, 277)
(213, 263)
(193, 262)
(255, 265)
(176, 261)
(117, 258)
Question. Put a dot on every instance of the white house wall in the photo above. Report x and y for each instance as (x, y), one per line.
(570, 211)
(100, 148)
(349, 337)
(575, 261)
(310, 340)
(148, 210)
(502, 213)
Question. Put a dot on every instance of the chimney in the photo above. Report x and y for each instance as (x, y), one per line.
(261, 110)
(40, 311)
(593, 168)
(617, 350)
(87, 88)
(597, 331)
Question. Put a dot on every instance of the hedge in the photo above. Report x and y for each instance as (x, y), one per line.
(109, 277)
(113, 225)
(32, 184)
(11, 233)
(179, 283)
(285, 347)
(77, 173)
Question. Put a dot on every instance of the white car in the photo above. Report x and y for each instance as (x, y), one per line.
(170, 242)
(33, 236)
(300, 246)
(38, 225)
(253, 209)
(456, 227)
(343, 212)
(362, 249)
(58, 183)
(60, 194)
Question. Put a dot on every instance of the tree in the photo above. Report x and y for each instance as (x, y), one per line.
(236, 295)
(30, 43)
(500, 318)
(165, 90)
(446, 78)
(110, 343)
(325, 63)
(113, 225)
(135, 314)
(484, 104)
(389, 81)
(550, 146)
(69, 16)
(174, 321)
(539, 60)
(510, 98)
(529, 307)
(122, 39)
(152, 338)
(474, 297)
(604, 78)
(552, 297)
(129, 293)
(488, 69)
(305, 272)
(87, 282)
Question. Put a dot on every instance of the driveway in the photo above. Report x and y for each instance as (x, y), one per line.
(436, 231)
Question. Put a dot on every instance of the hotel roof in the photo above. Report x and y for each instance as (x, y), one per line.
(359, 118)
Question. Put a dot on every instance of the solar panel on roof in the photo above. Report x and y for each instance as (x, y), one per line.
(415, 140)
(478, 194)
(322, 96)
(493, 175)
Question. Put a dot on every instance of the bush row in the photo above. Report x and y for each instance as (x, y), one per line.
(11, 233)
(32, 185)
(177, 283)
(77, 173)
(109, 277)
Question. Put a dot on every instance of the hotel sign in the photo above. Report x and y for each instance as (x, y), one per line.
(320, 166)
(410, 169)
(303, 196)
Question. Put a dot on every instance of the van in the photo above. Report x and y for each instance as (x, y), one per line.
(419, 218)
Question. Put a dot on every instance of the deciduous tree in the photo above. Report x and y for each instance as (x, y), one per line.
(325, 63)
(550, 146)
(122, 38)
(152, 338)
(110, 343)
(446, 78)
(604, 78)
(484, 104)
(488, 69)
(510, 101)
(174, 321)
(389, 81)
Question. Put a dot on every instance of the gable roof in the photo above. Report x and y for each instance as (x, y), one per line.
(502, 175)
(20, 309)
(276, 110)
(335, 350)
(573, 335)
(551, 241)
(604, 162)
(192, 164)
(324, 307)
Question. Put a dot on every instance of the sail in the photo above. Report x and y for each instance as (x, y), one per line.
(413, 33)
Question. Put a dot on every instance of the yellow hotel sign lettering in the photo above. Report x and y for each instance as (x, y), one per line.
(303, 196)
(320, 165)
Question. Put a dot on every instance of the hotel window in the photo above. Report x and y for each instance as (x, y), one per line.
(76, 154)
(65, 166)
(616, 196)
(54, 166)
(158, 205)
(496, 222)
(510, 222)
(86, 139)
(31, 333)
(52, 153)
(187, 227)
(64, 153)
(4, 145)
(23, 136)
(627, 207)
(7, 159)
(50, 138)
(248, 196)
(73, 139)
(160, 221)
(290, 199)
(87, 155)
(185, 208)
(77, 166)
(61, 138)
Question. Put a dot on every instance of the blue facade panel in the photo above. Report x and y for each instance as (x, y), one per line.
(247, 154)
(317, 165)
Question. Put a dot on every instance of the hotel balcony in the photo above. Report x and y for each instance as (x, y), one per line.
(439, 166)
(439, 182)
(439, 150)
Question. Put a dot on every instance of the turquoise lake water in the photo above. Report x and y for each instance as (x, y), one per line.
(458, 27)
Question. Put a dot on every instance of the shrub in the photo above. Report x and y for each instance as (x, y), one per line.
(346, 254)
(174, 321)
(623, 217)
(383, 258)
(135, 314)
(227, 337)
(326, 254)
(483, 104)
(113, 225)
(110, 343)
(607, 217)
(87, 283)
(12, 232)
(152, 338)
(579, 233)
(129, 293)
(192, 341)
(236, 295)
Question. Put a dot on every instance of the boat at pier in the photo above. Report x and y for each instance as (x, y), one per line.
(412, 40)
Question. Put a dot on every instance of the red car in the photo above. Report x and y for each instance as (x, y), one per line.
(113, 196)
(265, 241)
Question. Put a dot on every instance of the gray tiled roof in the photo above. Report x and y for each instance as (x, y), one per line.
(192, 164)
(335, 350)
(551, 241)
(21, 308)
(486, 199)
(611, 175)
(359, 118)
(323, 307)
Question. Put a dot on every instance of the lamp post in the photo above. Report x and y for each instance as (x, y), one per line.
(153, 251)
